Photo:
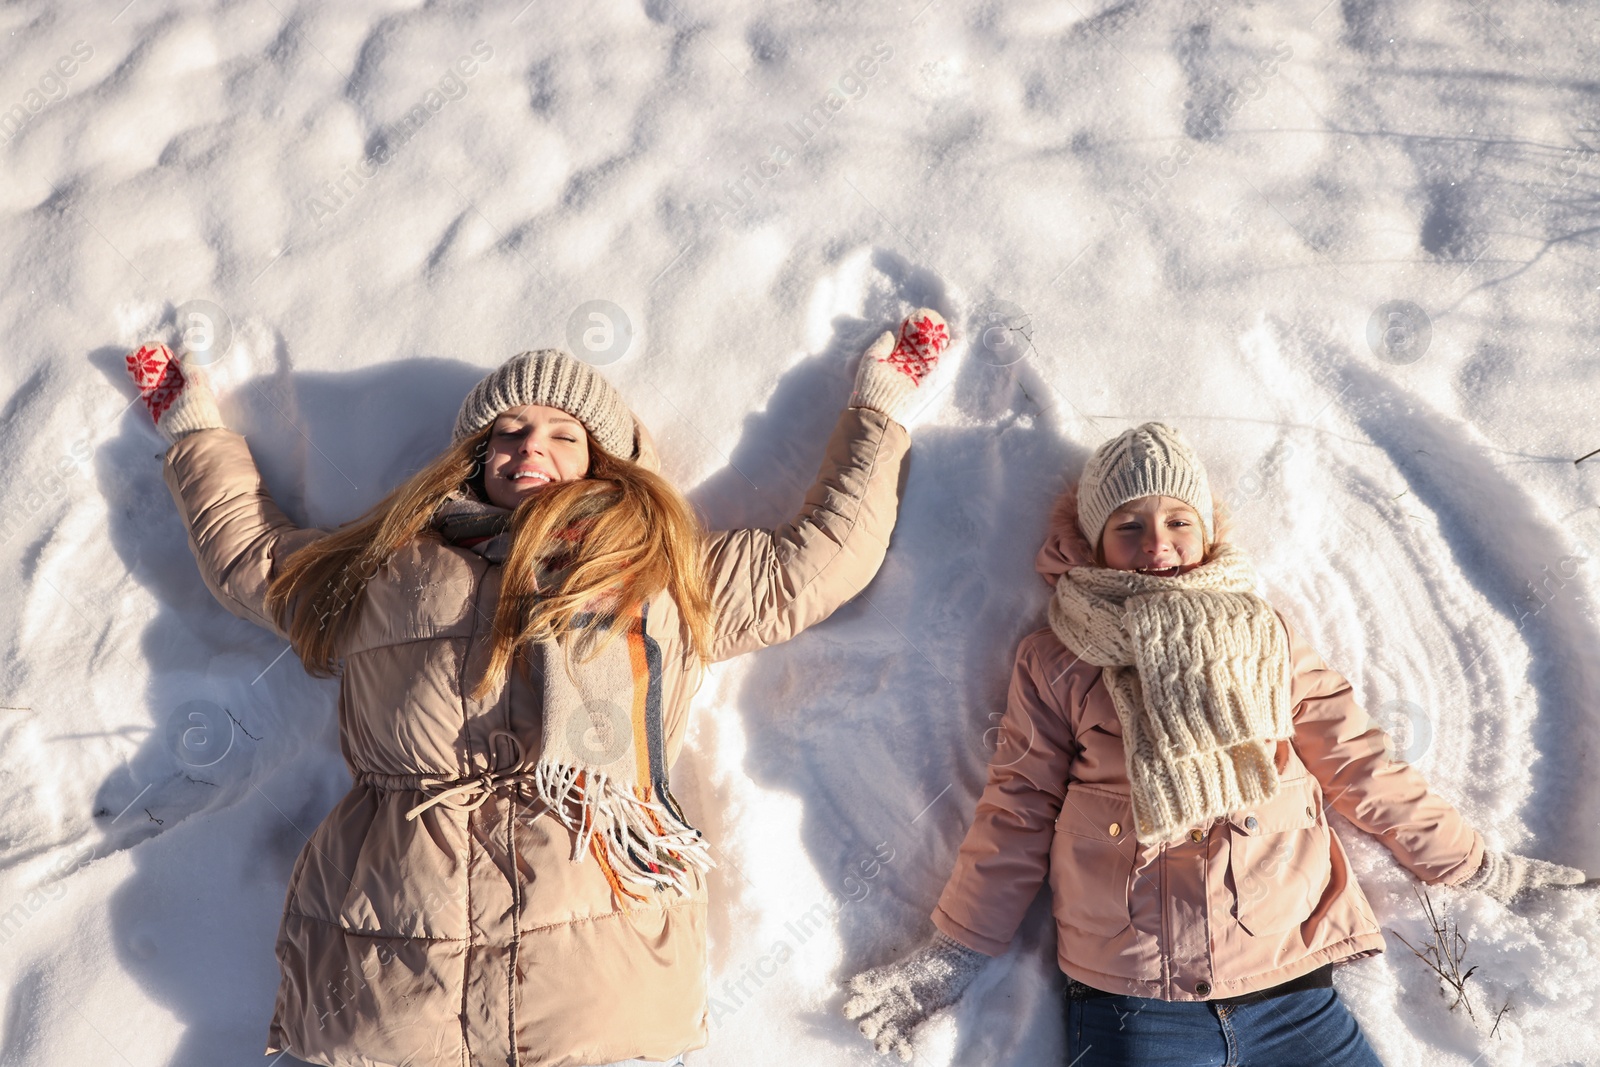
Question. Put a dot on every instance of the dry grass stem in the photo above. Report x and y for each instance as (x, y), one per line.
(1444, 954)
(1498, 1015)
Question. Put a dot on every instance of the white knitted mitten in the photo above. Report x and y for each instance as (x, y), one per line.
(893, 1000)
(178, 399)
(894, 372)
(1505, 874)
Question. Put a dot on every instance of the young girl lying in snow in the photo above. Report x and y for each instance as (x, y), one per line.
(1171, 748)
(518, 630)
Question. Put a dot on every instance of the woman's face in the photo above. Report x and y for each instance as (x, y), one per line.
(529, 448)
(1155, 535)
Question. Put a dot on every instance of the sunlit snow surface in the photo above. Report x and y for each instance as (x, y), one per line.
(1205, 214)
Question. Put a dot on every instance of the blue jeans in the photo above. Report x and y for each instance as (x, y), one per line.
(1311, 1028)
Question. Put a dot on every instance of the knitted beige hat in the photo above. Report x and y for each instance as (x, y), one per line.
(1149, 460)
(551, 378)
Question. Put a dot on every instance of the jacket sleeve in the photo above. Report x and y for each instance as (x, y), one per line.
(768, 585)
(1005, 856)
(237, 533)
(1388, 798)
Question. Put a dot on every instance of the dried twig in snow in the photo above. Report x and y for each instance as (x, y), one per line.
(1444, 953)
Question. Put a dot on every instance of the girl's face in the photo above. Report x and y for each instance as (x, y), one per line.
(1154, 535)
(529, 448)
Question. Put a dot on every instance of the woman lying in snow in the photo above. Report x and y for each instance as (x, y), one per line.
(517, 630)
(1172, 746)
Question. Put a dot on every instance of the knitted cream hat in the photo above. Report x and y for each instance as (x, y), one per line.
(551, 378)
(1149, 460)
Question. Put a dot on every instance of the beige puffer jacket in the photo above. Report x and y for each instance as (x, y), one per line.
(426, 942)
(1242, 904)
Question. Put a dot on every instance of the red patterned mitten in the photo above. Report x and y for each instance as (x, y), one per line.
(894, 372)
(180, 402)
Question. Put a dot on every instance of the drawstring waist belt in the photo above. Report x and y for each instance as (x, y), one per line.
(467, 793)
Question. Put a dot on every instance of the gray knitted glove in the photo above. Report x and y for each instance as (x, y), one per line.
(1505, 874)
(895, 371)
(893, 1000)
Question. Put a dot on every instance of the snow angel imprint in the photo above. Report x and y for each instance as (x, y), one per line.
(1184, 743)
(517, 631)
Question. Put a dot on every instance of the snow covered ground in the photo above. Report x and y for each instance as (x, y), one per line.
(1348, 246)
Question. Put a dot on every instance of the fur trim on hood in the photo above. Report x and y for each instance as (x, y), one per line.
(1065, 546)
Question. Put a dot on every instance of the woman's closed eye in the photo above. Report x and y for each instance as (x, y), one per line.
(522, 431)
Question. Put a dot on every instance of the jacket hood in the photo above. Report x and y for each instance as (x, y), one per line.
(1065, 546)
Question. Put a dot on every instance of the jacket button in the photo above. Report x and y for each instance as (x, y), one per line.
(1114, 829)
(1310, 814)
(1250, 823)
(1203, 988)
(1197, 836)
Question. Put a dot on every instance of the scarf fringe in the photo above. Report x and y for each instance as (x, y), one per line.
(620, 812)
(640, 843)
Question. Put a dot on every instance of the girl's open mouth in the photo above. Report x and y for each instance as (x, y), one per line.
(1163, 572)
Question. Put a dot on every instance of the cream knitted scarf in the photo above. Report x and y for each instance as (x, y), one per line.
(1198, 671)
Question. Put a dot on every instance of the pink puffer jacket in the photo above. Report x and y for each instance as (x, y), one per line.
(1242, 904)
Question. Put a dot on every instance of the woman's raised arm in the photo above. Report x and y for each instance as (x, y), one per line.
(768, 585)
(237, 533)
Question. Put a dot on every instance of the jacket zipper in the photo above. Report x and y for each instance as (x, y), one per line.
(516, 898)
(1166, 941)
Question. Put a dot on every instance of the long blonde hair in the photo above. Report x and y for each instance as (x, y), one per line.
(636, 536)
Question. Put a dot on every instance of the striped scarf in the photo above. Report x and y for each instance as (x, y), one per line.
(603, 770)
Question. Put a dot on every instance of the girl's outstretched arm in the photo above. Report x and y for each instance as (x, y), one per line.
(1003, 860)
(1005, 856)
(768, 585)
(1344, 748)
